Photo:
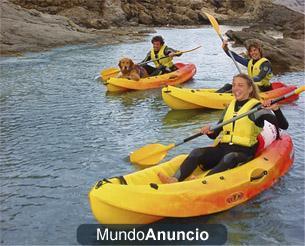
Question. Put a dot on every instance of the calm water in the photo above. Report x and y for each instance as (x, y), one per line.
(61, 132)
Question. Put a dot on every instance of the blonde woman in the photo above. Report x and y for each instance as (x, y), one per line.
(237, 141)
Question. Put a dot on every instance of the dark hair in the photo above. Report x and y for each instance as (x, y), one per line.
(254, 43)
(250, 83)
(158, 39)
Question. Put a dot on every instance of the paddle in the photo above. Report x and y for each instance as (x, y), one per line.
(217, 29)
(176, 53)
(107, 73)
(151, 154)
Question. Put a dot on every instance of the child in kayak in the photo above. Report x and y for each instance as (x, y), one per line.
(237, 141)
(259, 67)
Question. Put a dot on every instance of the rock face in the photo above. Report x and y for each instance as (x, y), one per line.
(285, 54)
(296, 5)
(97, 14)
(165, 12)
(27, 29)
(37, 24)
(107, 13)
(31, 30)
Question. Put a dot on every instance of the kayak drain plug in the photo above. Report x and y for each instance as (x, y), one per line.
(154, 186)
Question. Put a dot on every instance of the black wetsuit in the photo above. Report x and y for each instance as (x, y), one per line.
(152, 71)
(226, 155)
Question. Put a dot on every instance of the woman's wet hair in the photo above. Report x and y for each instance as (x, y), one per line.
(158, 39)
(250, 83)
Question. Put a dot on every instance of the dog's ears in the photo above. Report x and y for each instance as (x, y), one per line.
(119, 64)
(131, 63)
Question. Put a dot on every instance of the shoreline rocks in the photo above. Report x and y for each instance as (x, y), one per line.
(24, 30)
(287, 53)
(34, 25)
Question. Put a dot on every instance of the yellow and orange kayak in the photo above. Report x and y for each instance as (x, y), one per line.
(183, 98)
(184, 73)
(140, 198)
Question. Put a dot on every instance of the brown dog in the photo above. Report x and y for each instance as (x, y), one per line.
(129, 70)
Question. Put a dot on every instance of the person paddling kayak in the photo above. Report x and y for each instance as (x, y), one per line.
(259, 67)
(160, 50)
(237, 141)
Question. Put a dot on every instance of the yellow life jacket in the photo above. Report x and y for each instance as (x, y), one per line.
(244, 132)
(167, 62)
(254, 70)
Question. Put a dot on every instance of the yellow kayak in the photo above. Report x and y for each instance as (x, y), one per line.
(183, 98)
(184, 73)
(140, 198)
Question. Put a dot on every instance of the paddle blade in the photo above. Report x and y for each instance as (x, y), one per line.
(213, 22)
(108, 73)
(150, 154)
(300, 89)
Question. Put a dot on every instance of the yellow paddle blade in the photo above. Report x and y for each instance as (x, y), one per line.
(109, 72)
(150, 154)
(300, 89)
(213, 22)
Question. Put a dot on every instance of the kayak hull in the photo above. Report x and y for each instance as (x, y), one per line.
(145, 200)
(184, 73)
(183, 98)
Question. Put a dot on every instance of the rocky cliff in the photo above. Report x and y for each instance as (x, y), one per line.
(25, 29)
(285, 52)
(101, 14)
(38, 24)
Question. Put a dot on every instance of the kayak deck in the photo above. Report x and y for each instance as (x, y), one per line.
(183, 98)
(143, 199)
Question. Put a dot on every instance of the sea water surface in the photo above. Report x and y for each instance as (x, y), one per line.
(61, 132)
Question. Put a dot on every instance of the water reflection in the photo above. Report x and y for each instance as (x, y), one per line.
(175, 118)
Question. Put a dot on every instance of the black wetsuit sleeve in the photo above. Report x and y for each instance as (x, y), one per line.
(265, 69)
(243, 61)
(274, 117)
(282, 121)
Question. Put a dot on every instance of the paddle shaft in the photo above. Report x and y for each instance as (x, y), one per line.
(176, 53)
(215, 25)
(231, 55)
(255, 109)
(142, 63)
